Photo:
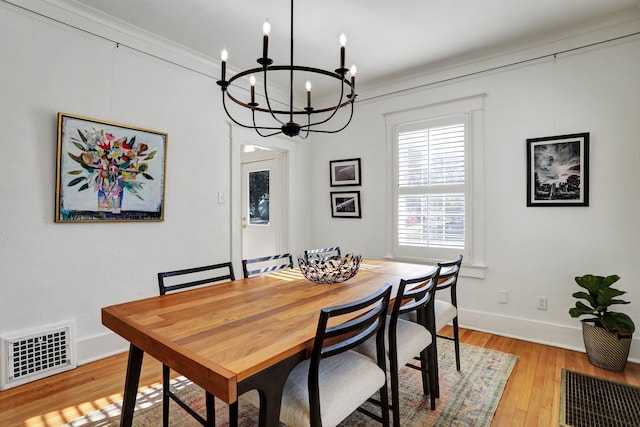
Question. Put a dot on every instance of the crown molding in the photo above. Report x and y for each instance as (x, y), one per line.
(541, 48)
(99, 24)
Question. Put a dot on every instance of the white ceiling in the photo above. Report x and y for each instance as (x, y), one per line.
(385, 37)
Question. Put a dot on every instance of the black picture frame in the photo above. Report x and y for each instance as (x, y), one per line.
(345, 204)
(558, 170)
(344, 172)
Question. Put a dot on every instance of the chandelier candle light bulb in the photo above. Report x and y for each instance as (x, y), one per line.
(343, 43)
(353, 76)
(266, 30)
(252, 82)
(308, 87)
(223, 56)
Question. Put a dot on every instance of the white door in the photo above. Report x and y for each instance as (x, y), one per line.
(261, 205)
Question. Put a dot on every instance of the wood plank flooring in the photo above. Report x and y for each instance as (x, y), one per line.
(531, 397)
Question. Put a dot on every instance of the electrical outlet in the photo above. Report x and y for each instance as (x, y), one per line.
(542, 303)
(503, 297)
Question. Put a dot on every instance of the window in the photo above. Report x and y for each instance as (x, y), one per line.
(434, 215)
(259, 197)
(431, 184)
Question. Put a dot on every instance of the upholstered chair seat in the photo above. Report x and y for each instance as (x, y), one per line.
(414, 339)
(338, 395)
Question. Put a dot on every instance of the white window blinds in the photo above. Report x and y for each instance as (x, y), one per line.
(431, 183)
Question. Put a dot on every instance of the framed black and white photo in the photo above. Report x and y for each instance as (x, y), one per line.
(344, 172)
(558, 170)
(345, 204)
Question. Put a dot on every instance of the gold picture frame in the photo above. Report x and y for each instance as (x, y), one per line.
(108, 171)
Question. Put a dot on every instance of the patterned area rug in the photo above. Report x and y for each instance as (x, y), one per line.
(467, 398)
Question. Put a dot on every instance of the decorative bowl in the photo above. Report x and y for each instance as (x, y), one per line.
(332, 270)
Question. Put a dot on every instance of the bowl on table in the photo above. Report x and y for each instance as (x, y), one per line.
(334, 270)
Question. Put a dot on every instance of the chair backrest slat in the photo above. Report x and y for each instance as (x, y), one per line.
(449, 271)
(276, 262)
(415, 294)
(322, 254)
(215, 273)
(353, 331)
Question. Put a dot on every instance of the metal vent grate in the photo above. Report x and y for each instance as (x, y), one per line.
(588, 401)
(36, 355)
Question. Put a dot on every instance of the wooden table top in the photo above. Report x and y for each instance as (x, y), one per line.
(222, 334)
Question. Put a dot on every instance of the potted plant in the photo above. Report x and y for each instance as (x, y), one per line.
(607, 334)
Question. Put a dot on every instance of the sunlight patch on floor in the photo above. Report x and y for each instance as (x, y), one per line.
(60, 417)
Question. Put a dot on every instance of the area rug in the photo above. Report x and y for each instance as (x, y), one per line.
(467, 398)
(588, 401)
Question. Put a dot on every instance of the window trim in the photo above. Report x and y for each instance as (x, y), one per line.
(472, 108)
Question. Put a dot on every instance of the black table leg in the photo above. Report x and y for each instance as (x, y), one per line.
(270, 384)
(132, 380)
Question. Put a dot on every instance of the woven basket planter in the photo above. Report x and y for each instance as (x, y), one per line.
(605, 349)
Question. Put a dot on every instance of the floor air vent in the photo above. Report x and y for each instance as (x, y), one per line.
(588, 401)
(31, 355)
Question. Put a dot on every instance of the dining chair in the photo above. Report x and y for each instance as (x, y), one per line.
(267, 264)
(322, 254)
(335, 381)
(178, 280)
(447, 311)
(406, 339)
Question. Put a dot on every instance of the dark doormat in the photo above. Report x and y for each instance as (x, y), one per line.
(588, 401)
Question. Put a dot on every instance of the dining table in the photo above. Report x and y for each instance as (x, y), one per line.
(233, 337)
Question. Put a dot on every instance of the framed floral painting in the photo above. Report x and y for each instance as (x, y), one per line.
(108, 171)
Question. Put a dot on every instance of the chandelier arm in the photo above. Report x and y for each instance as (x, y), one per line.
(259, 128)
(308, 129)
(266, 95)
(246, 105)
(224, 104)
(335, 110)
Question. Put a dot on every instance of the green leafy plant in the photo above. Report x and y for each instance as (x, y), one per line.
(600, 296)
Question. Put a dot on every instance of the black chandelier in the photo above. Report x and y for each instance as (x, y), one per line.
(288, 121)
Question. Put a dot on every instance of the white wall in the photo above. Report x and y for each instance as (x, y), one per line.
(530, 252)
(52, 272)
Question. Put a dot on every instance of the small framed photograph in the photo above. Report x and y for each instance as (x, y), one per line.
(108, 171)
(558, 170)
(344, 172)
(345, 204)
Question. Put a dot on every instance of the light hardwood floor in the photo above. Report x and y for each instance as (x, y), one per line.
(531, 397)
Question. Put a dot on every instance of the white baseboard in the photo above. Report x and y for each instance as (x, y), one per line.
(552, 334)
(100, 346)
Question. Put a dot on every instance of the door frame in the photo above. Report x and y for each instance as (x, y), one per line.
(239, 137)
